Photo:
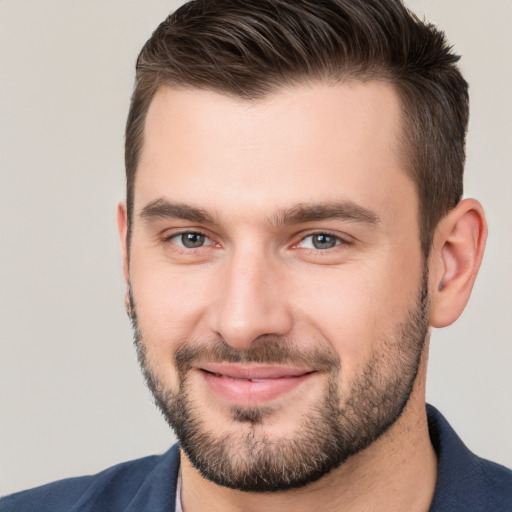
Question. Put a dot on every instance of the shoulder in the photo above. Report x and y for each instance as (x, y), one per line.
(498, 484)
(465, 481)
(149, 482)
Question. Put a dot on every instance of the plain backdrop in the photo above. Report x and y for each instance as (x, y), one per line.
(72, 400)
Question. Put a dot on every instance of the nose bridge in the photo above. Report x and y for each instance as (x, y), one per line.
(250, 303)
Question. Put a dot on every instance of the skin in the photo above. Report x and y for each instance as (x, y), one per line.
(244, 164)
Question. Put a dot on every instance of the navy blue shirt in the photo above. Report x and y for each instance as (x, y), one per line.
(465, 483)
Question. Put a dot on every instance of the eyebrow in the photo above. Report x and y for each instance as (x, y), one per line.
(344, 210)
(301, 213)
(163, 209)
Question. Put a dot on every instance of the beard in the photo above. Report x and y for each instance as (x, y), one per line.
(330, 431)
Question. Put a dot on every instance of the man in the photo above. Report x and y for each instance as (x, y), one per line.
(292, 229)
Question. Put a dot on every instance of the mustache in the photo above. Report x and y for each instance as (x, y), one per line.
(268, 351)
(264, 350)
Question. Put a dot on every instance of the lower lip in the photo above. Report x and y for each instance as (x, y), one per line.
(247, 393)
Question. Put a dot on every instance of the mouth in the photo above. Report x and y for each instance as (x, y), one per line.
(251, 385)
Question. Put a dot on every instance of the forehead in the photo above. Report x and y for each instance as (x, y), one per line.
(305, 143)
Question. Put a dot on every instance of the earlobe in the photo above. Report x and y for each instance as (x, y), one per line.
(457, 252)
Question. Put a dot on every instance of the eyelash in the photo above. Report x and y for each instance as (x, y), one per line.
(175, 236)
(339, 241)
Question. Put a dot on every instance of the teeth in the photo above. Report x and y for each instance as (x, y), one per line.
(240, 378)
(248, 380)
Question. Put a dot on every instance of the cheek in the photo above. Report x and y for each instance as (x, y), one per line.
(356, 309)
(169, 305)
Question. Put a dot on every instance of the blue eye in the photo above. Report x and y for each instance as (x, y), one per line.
(190, 239)
(320, 241)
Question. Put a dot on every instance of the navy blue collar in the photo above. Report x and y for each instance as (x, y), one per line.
(465, 482)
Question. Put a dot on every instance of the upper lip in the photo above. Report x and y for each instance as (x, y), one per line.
(240, 371)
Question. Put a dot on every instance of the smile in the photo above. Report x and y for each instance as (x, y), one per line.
(249, 386)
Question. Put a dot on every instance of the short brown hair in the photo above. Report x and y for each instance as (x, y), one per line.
(251, 48)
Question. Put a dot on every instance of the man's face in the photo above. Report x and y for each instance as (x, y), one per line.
(277, 284)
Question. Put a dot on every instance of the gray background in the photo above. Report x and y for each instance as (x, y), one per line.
(71, 397)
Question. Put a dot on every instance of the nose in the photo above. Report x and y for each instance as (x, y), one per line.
(251, 302)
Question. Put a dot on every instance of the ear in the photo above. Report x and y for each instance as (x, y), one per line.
(122, 228)
(457, 252)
